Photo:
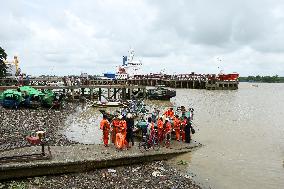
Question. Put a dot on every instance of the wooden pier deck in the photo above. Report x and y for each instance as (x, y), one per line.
(187, 81)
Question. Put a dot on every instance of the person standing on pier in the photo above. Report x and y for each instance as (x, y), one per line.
(177, 127)
(169, 113)
(155, 115)
(115, 125)
(182, 126)
(187, 130)
(130, 127)
(160, 129)
(105, 126)
(123, 127)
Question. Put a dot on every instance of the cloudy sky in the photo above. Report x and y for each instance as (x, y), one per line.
(181, 36)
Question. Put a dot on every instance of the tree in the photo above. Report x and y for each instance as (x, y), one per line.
(3, 66)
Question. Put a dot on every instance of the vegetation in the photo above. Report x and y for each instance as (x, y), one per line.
(3, 66)
(263, 79)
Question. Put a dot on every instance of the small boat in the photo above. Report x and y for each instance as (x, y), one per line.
(160, 93)
(107, 104)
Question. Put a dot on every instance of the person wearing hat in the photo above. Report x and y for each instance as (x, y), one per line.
(167, 125)
(177, 127)
(182, 127)
(167, 129)
(187, 130)
(160, 129)
(105, 126)
(169, 113)
(129, 130)
(115, 125)
(123, 127)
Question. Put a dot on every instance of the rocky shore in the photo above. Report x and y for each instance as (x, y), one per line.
(16, 124)
(151, 175)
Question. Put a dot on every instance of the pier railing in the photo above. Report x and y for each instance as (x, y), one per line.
(191, 81)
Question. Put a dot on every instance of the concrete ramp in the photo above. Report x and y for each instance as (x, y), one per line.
(80, 158)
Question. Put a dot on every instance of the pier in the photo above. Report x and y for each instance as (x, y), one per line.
(80, 158)
(187, 81)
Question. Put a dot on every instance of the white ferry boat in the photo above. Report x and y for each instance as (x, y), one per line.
(129, 67)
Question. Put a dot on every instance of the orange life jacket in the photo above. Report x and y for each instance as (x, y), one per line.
(104, 125)
(160, 124)
(177, 123)
(168, 127)
(169, 113)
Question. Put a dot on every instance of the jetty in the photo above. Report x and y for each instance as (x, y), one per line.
(187, 81)
(81, 158)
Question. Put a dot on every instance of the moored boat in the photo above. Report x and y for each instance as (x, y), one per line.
(160, 93)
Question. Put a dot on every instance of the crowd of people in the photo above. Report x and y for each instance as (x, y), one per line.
(120, 129)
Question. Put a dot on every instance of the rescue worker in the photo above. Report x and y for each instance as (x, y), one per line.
(130, 127)
(169, 113)
(115, 125)
(167, 131)
(182, 126)
(177, 123)
(123, 127)
(160, 129)
(167, 126)
(105, 126)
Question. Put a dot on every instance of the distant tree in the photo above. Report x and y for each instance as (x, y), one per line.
(3, 66)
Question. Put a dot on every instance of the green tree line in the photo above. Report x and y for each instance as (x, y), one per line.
(3, 66)
(263, 79)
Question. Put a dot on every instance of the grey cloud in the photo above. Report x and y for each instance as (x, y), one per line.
(181, 35)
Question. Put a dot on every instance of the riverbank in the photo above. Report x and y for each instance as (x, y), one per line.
(150, 175)
(16, 124)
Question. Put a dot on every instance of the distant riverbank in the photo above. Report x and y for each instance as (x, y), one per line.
(262, 79)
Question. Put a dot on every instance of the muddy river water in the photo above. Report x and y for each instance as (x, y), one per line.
(242, 132)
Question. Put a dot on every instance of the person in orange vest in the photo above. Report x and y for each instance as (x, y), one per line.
(169, 113)
(167, 130)
(115, 125)
(123, 127)
(167, 126)
(183, 124)
(160, 129)
(177, 123)
(105, 126)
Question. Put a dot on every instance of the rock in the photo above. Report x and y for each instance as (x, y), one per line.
(111, 170)
(156, 174)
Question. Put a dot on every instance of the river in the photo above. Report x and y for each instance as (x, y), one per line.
(243, 136)
(242, 133)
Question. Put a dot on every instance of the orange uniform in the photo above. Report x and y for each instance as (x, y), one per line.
(183, 123)
(177, 123)
(168, 127)
(123, 127)
(160, 125)
(105, 126)
(115, 124)
(169, 113)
